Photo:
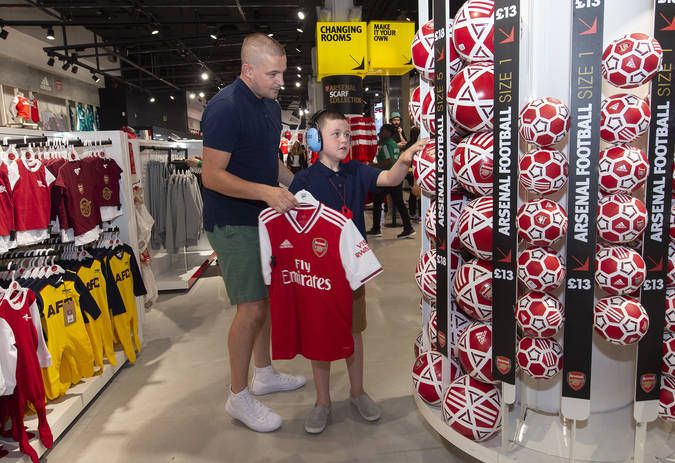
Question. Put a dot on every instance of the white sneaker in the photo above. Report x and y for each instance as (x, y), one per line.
(252, 412)
(267, 380)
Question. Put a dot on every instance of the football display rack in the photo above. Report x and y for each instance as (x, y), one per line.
(63, 412)
(557, 52)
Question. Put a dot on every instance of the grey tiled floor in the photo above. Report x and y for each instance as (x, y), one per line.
(169, 407)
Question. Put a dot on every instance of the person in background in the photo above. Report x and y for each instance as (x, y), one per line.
(387, 155)
(297, 158)
(241, 173)
(399, 135)
(343, 187)
(414, 202)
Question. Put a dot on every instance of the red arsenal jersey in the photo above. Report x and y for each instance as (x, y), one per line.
(30, 182)
(6, 202)
(108, 195)
(79, 186)
(312, 258)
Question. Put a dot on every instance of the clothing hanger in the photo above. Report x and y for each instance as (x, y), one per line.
(305, 197)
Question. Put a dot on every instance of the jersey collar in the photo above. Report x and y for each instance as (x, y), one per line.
(310, 223)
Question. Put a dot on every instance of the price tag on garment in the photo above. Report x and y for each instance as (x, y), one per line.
(69, 313)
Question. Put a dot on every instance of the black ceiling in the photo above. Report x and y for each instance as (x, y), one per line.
(174, 58)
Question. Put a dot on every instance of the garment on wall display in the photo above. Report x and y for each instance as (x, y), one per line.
(183, 212)
(312, 258)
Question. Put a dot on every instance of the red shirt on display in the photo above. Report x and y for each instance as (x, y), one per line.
(31, 184)
(79, 187)
(312, 258)
(6, 202)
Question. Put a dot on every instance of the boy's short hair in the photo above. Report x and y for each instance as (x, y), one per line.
(389, 128)
(321, 117)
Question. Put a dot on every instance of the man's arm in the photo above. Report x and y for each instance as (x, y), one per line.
(216, 178)
(397, 173)
(285, 175)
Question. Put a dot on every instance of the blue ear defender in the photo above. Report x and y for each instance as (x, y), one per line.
(314, 141)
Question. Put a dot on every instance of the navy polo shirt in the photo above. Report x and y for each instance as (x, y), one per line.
(248, 127)
(352, 182)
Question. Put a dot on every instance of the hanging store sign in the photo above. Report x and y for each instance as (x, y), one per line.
(342, 48)
(343, 94)
(389, 47)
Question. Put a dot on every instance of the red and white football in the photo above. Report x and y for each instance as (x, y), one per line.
(422, 52)
(424, 168)
(668, 365)
(429, 115)
(473, 289)
(631, 60)
(540, 269)
(425, 275)
(475, 351)
(670, 310)
(418, 347)
(544, 121)
(619, 270)
(458, 321)
(541, 222)
(472, 163)
(623, 118)
(473, 408)
(543, 171)
(471, 98)
(666, 399)
(472, 33)
(415, 105)
(427, 377)
(621, 218)
(430, 222)
(432, 329)
(475, 227)
(540, 358)
(539, 315)
(623, 169)
(620, 320)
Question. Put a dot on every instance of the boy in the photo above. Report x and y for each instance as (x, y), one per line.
(343, 187)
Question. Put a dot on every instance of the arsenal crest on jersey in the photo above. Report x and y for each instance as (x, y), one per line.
(576, 380)
(320, 246)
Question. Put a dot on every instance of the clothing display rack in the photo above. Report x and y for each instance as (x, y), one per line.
(179, 271)
(62, 413)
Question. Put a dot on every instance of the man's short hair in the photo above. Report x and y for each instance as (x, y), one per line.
(259, 43)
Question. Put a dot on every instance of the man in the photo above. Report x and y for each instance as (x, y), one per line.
(241, 173)
(399, 136)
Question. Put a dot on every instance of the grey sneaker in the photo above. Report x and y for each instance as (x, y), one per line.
(368, 409)
(317, 419)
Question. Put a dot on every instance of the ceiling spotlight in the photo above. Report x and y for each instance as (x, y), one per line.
(367, 89)
(152, 99)
(65, 66)
(172, 97)
(213, 36)
(270, 35)
(301, 14)
(3, 33)
(95, 78)
(74, 69)
(407, 19)
(192, 96)
(50, 61)
(155, 30)
(299, 76)
(50, 33)
(297, 84)
(377, 94)
(297, 49)
(205, 76)
(299, 68)
(201, 94)
(299, 29)
(283, 88)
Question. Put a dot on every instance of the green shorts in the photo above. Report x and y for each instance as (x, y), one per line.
(238, 251)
